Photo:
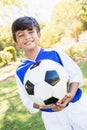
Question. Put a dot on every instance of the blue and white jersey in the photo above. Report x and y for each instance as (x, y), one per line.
(74, 72)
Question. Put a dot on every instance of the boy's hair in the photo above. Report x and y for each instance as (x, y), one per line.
(23, 23)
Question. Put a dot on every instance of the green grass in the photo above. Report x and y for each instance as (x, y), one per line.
(83, 67)
(13, 115)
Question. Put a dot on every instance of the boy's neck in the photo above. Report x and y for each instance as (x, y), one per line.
(31, 54)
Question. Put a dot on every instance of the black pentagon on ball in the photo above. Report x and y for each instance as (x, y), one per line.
(52, 77)
(51, 100)
(29, 87)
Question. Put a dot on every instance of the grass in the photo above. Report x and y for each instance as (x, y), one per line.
(13, 115)
(83, 67)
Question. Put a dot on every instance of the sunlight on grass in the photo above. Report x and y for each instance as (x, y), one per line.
(13, 115)
(3, 106)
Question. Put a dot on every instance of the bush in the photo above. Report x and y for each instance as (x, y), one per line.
(5, 36)
(5, 57)
(12, 50)
(75, 53)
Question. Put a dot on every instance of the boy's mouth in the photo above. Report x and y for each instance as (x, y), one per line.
(28, 43)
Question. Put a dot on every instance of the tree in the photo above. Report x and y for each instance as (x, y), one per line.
(84, 16)
(10, 2)
(51, 34)
(68, 14)
(9, 10)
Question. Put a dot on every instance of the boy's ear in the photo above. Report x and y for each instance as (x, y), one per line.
(39, 34)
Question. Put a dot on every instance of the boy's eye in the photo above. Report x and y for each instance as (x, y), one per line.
(30, 32)
(20, 34)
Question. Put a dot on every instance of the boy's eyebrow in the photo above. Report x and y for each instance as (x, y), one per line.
(20, 31)
(30, 28)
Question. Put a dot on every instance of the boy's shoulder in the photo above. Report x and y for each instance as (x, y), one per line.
(52, 49)
(57, 50)
(22, 64)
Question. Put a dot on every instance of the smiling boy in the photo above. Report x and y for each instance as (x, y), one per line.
(59, 116)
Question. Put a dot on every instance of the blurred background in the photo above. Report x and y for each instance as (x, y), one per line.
(63, 25)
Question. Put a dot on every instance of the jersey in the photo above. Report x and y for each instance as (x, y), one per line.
(59, 57)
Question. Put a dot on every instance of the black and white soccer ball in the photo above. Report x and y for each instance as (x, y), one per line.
(46, 82)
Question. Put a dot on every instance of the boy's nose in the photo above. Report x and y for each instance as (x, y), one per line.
(27, 36)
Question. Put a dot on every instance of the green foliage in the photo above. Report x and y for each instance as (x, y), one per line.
(5, 57)
(42, 24)
(65, 20)
(84, 16)
(67, 14)
(75, 52)
(5, 37)
(84, 12)
(83, 66)
(12, 50)
(1, 56)
(50, 34)
(10, 2)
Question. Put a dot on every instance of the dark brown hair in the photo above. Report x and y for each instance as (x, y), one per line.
(23, 23)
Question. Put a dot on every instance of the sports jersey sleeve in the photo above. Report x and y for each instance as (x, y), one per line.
(74, 71)
(24, 97)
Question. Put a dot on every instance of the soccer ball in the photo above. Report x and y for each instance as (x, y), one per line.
(46, 82)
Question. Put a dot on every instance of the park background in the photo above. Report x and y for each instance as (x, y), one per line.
(63, 25)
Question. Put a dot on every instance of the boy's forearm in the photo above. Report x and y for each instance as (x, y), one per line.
(73, 88)
(36, 106)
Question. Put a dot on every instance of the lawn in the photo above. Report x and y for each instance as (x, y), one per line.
(13, 115)
(83, 67)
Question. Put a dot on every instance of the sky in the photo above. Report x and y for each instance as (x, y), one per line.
(41, 7)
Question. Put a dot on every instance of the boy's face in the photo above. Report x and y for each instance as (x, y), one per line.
(27, 39)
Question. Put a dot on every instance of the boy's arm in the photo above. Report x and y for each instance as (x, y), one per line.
(31, 106)
(24, 97)
(75, 78)
(68, 97)
(62, 104)
(73, 70)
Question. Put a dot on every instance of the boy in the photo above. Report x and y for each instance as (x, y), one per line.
(71, 112)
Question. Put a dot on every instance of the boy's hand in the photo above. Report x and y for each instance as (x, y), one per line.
(46, 106)
(42, 106)
(60, 105)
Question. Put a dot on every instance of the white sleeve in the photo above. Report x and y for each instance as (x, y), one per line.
(24, 97)
(73, 70)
